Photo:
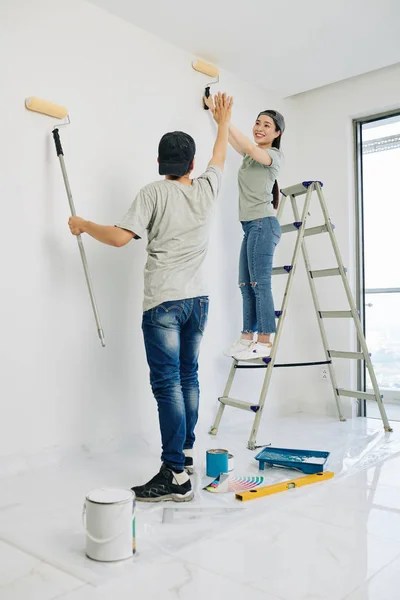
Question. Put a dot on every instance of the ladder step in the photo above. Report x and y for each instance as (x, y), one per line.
(262, 363)
(291, 227)
(356, 394)
(335, 314)
(317, 230)
(239, 404)
(355, 355)
(282, 270)
(325, 273)
(299, 189)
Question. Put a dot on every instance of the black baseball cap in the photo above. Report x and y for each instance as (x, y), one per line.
(176, 151)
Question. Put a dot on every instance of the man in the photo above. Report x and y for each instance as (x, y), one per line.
(176, 213)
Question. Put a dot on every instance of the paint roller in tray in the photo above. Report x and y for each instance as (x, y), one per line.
(60, 112)
(206, 69)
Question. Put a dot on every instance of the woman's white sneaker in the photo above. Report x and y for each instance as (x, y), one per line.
(238, 346)
(253, 351)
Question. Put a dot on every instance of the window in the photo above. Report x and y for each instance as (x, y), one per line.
(378, 177)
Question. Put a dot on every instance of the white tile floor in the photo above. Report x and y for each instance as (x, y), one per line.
(337, 540)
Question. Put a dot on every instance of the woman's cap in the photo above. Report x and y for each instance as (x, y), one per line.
(277, 117)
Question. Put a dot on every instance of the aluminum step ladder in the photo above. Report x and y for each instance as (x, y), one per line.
(300, 226)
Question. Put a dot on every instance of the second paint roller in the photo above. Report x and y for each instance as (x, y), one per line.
(206, 69)
(60, 112)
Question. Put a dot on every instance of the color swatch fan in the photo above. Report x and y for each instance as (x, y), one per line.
(226, 483)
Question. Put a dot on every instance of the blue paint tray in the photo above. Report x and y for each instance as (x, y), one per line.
(308, 461)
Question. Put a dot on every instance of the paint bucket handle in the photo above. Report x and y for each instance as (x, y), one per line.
(97, 540)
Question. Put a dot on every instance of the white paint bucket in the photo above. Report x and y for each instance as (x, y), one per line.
(109, 522)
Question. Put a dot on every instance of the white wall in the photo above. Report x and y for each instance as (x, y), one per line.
(326, 152)
(124, 88)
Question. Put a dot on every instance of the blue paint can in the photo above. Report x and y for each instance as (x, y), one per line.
(216, 462)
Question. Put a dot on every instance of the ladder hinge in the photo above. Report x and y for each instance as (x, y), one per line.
(255, 408)
(298, 224)
(308, 183)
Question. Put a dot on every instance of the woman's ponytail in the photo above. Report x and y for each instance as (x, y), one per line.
(275, 195)
(275, 190)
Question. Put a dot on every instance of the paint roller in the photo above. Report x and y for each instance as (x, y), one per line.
(206, 69)
(60, 112)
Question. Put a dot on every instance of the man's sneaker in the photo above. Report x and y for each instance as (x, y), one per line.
(189, 465)
(238, 346)
(164, 486)
(255, 350)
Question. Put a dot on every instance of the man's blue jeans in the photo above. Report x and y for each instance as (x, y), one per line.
(172, 335)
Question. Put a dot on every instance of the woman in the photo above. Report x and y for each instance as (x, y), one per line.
(258, 200)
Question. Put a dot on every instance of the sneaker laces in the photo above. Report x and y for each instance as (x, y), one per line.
(253, 345)
(248, 343)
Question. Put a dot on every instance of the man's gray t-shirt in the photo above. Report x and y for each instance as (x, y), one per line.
(177, 220)
(255, 186)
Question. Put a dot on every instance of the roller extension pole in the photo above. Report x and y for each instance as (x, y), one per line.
(60, 154)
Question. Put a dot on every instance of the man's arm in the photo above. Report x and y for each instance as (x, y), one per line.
(210, 103)
(107, 234)
(220, 147)
(222, 115)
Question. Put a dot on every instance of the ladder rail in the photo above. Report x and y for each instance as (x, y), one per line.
(360, 334)
(320, 321)
(282, 203)
(221, 408)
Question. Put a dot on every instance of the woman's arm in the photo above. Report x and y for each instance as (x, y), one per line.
(235, 144)
(249, 147)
